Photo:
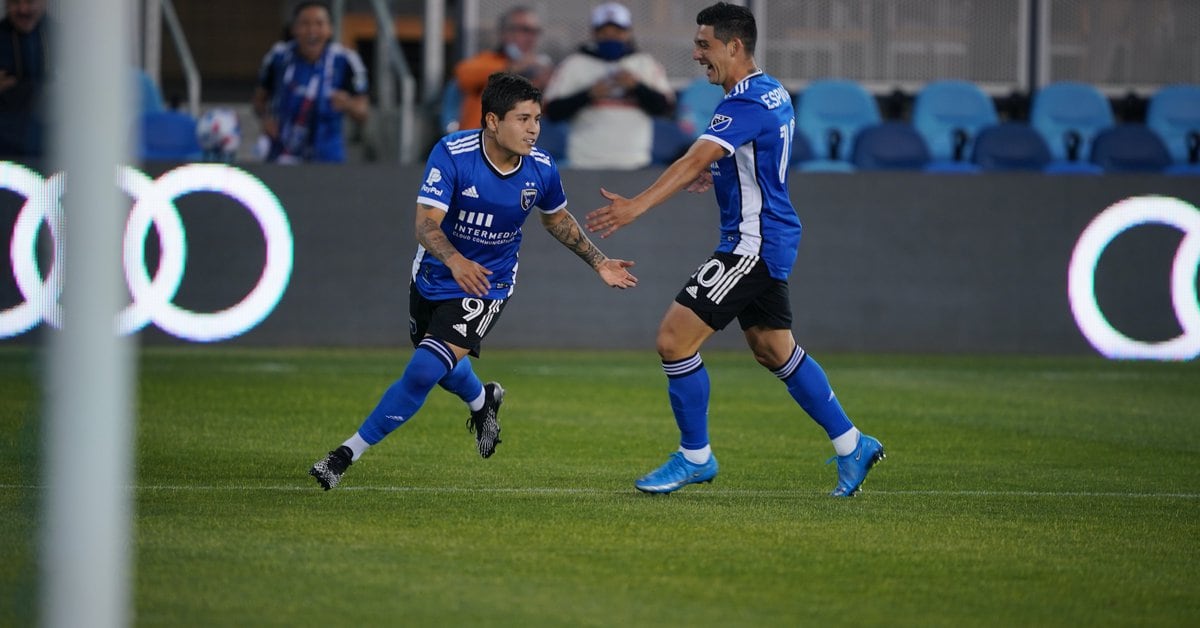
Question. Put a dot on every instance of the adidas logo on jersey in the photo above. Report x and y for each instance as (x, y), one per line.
(691, 290)
(471, 192)
(461, 328)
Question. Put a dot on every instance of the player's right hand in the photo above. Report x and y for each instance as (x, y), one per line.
(469, 276)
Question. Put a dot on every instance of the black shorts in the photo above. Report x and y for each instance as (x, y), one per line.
(460, 322)
(729, 286)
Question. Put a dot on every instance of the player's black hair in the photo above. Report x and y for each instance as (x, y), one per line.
(307, 4)
(730, 21)
(504, 90)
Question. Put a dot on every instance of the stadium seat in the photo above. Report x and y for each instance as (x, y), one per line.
(149, 97)
(553, 140)
(889, 146)
(949, 115)
(696, 104)
(451, 107)
(1130, 148)
(168, 136)
(1068, 115)
(830, 113)
(669, 143)
(1010, 146)
(801, 151)
(1174, 115)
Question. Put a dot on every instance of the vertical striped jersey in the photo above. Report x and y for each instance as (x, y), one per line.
(485, 209)
(755, 124)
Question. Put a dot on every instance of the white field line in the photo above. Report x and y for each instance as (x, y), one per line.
(697, 491)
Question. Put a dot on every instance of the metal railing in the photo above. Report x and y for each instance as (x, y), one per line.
(190, 71)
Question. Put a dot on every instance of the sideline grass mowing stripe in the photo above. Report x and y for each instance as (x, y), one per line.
(1017, 490)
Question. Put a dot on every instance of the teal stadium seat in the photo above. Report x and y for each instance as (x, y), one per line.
(1173, 113)
(451, 108)
(1068, 115)
(696, 104)
(949, 115)
(830, 113)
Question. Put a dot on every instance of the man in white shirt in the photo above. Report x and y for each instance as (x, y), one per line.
(609, 91)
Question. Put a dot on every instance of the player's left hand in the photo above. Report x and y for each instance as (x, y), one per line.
(703, 183)
(619, 212)
(614, 273)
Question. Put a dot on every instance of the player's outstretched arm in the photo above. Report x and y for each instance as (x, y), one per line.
(685, 173)
(469, 276)
(613, 272)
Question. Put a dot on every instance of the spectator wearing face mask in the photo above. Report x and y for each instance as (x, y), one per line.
(517, 52)
(609, 91)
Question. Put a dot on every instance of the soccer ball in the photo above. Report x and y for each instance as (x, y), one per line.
(218, 132)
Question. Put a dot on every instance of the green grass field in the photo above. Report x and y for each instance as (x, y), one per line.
(1017, 491)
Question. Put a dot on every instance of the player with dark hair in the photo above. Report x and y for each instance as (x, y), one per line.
(743, 155)
(479, 187)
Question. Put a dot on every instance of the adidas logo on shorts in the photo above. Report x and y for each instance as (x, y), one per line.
(461, 328)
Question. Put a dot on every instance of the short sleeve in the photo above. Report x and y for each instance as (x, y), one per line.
(438, 185)
(735, 122)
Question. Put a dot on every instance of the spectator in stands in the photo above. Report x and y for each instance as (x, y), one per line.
(23, 73)
(609, 90)
(517, 52)
(305, 87)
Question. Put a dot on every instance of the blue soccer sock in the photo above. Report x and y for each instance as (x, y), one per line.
(430, 362)
(687, 386)
(463, 382)
(809, 386)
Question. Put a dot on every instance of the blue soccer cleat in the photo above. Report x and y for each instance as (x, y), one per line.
(853, 468)
(677, 473)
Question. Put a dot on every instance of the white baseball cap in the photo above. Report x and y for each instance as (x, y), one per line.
(611, 13)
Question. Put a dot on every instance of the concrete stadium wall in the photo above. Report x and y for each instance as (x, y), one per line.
(888, 263)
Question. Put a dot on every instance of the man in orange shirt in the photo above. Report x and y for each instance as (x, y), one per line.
(517, 52)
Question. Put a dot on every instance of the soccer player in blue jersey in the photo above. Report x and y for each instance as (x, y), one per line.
(479, 187)
(743, 155)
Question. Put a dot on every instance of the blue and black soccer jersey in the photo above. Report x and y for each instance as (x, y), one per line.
(301, 93)
(755, 123)
(485, 209)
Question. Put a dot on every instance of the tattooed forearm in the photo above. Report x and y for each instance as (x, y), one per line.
(429, 234)
(566, 230)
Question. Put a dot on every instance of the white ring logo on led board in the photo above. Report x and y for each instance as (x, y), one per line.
(152, 297)
(1081, 277)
